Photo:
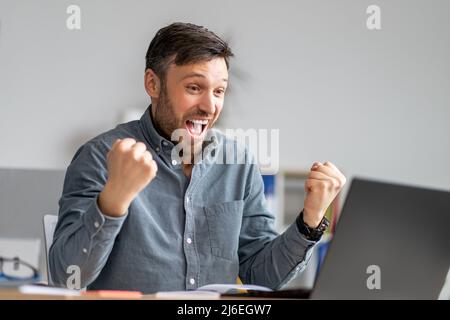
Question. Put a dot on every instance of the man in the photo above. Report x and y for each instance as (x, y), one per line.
(132, 217)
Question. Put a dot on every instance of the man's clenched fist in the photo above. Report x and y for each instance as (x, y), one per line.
(130, 168)
(323, 184)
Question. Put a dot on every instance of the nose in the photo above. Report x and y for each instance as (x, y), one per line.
(208, 103)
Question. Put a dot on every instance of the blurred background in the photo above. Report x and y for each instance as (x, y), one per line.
(374, 102)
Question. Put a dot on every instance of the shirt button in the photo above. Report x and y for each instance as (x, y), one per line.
(84, 250)
(192, 281)
(174, 162)
(157, 149)
(164, 143)
(96, 224)
(189, 240)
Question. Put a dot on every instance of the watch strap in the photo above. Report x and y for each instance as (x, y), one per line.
(313, 234)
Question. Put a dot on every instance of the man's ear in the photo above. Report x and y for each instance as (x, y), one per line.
(152, 84)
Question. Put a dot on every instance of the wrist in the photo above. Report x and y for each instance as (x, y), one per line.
(112, 202)
(311, 219)
(313, 234)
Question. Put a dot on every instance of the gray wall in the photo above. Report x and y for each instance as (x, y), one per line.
(25, 197)
(374, 102)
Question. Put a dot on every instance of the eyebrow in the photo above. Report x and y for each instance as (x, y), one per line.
(195, 74)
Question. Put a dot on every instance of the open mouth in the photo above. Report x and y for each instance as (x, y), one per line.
(196, 127)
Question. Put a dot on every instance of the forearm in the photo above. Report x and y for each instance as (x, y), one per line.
(279, 260)
(84, 240)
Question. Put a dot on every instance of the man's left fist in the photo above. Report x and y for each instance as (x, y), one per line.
(323, 184)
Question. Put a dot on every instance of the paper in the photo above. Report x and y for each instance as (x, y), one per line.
(224, 288)
(210, 291)
(187, 295)
(44, 290)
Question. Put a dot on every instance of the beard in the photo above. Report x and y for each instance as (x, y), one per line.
(164, 116)
(166, 123)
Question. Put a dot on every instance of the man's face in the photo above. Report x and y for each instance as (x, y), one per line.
(192, 98)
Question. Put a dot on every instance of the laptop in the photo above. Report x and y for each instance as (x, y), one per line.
(392, 242)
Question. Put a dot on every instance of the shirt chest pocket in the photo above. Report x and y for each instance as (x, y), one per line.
(224, 222)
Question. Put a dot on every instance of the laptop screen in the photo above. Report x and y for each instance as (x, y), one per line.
(391, 242)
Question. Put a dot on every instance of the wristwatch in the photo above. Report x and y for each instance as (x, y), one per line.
(312, 234)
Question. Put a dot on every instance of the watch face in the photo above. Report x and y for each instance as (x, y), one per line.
(325, 223)
(315, 234)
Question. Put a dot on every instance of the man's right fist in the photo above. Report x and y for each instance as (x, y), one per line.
(130, 168)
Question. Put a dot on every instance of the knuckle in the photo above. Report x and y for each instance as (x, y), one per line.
(331, 185)
(147, 167)
(124, 145)
(121, 147)
(152, 169)
(140, 145)
(322, 185)
(136, 156)
(143, 161)
(148, 155)
(129, 140)
(337, 186)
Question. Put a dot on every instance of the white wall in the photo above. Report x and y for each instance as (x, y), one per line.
(377, 103)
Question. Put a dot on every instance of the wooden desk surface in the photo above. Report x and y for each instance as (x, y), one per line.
(14, 294)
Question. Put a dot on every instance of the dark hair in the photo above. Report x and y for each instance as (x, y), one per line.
(184, 43)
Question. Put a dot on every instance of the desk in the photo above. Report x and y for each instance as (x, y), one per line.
(222, 308)
(14, 294)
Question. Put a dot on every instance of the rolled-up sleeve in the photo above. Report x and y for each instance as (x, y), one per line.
(266, 258)
(83, 237)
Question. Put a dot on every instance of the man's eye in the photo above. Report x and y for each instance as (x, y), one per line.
(193, 88)
(220, 92)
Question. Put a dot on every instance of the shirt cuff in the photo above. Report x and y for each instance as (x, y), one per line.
(299, 250)
(95, 221)
(295, 239)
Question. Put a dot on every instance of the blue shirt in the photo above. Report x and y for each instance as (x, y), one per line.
(179, 233)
